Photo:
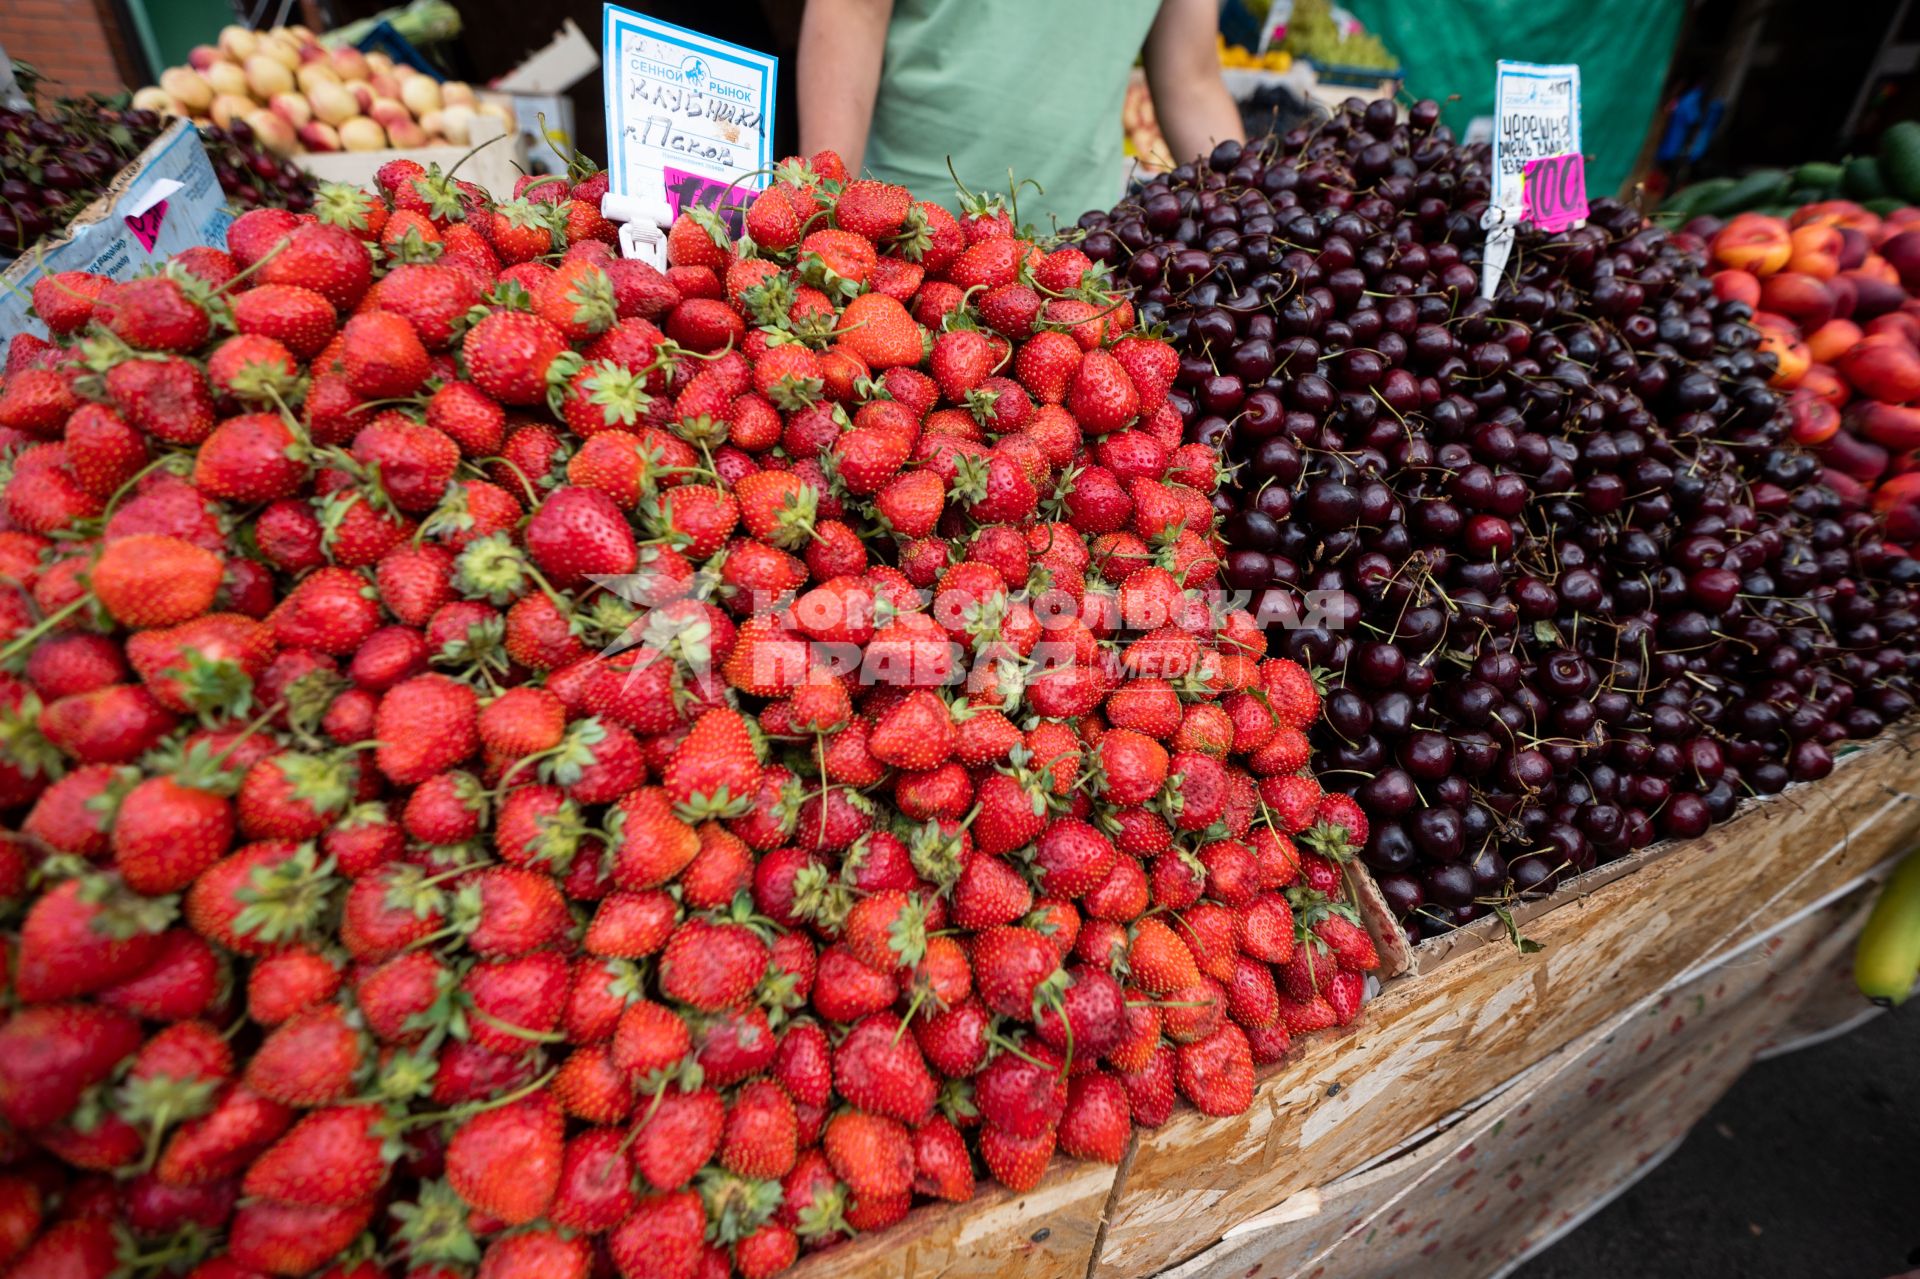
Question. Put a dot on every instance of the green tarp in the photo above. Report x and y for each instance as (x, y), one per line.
(1447, 53)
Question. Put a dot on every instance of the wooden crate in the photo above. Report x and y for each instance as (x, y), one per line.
(1432, 1042)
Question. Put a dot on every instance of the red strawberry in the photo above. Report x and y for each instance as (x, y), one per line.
(917, 733)
(154, 313)
(881, 1071)
(148, 580)
(1344, 994)
(774, 219)
(299, 318)
(1349, 943)
(168, 830)
(577, 299)
(64, 300)
(1016, 971)
(698, 238)
(84, 935)
(289, 982)
(1022, 1094)
(36, 402)
(50, 1055)
(1071, 858)
(777, 507)
(596, 1189)
(1102, 397)
(166, 398)
(307, 1060)
(506, 1161)
(1291, 691)
(1097, 1120)
(415, 462)
(1150, 1088)
(872, 209)
(1303, 1017)
(942, 1168)
(761, 1133)
(911, 503)
(961, 360)
(250, 458)
(989, 892)
(715, 770)
(872, 1154)
(537, 1254)
(664, 1235)
(712, 966)
(1017, 1163)
(509, 353)
(80, 1247)
(1216, 1073)
(331, 1158)
(679, 1131)
(329, 260)
(382, 356)
(1266, 929)
(426, 726)
(1161, 961)
(880, 329)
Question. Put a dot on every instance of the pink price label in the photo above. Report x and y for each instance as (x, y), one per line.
(146, 227)
(1555, 191)
(694, 190)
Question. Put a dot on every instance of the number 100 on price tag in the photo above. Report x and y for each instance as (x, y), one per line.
(1556, 191)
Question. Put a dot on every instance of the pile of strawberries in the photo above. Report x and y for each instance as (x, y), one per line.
(517, 761)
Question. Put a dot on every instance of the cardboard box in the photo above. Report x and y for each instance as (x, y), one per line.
(493, 167)
(538, 88)
(166, 201)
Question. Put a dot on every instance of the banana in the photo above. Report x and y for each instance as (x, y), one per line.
(1887, 956)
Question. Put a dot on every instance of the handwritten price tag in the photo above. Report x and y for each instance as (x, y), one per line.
(681, 101)
(693, 190)
(1556, 191)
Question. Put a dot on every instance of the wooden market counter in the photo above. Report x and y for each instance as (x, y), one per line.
(1473, 1029)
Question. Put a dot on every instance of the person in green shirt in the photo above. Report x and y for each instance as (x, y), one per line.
(898, 87)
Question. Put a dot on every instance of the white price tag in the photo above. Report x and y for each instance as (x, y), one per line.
(678, 100)
(1536, 114)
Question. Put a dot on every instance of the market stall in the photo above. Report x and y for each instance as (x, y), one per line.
(1360, 1156)
(723, 716)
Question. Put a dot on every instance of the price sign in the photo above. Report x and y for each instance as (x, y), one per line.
(678, 101)
(1555, 191)
(1536, 116)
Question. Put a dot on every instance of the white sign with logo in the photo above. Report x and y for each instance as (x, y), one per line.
(680, 100)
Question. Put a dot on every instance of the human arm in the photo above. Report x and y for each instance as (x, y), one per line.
(842, 43)
(1183, 72)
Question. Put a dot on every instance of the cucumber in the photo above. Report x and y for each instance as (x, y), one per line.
(1762, 186)
(1861, 178)
(1900, 160)
(1884, 204)
(1887, 956)
(1805, 195)
(1689, 199)
(1817, 174)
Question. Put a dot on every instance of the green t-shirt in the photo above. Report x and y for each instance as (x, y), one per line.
(1032, 85)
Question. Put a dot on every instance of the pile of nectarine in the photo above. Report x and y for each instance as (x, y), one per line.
(1835, 292)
